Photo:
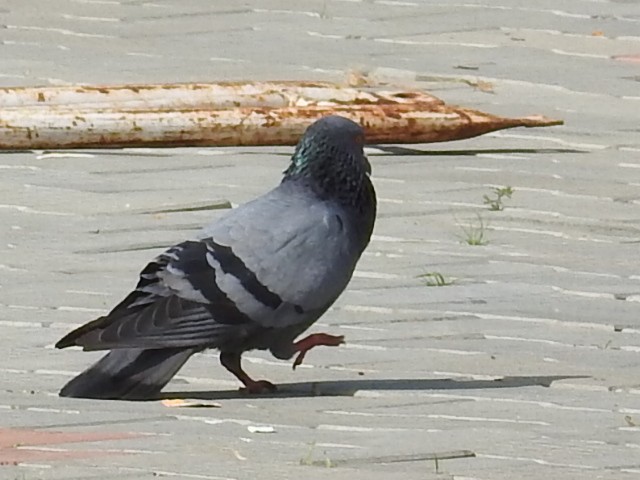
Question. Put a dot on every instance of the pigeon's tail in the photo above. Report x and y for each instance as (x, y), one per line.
(128, 374)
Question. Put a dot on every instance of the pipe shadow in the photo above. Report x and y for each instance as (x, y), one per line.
(348, 388)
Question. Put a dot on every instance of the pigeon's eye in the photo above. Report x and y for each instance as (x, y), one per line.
(359, 139)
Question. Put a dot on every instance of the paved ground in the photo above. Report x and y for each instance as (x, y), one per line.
(531, 357)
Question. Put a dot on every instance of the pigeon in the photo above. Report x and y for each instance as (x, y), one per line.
(256, 278)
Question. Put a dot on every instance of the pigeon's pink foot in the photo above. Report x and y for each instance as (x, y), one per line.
(307, 343)
(231, 361)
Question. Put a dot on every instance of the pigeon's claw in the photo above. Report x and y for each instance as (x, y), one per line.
(254, 387)
(307, 343)
(231, 361)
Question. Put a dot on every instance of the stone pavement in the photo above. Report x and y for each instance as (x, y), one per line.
(530, 358)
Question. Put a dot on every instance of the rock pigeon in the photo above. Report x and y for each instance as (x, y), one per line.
(256, 278)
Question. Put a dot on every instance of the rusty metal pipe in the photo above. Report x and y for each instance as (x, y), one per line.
(37, 128)
(205, 96)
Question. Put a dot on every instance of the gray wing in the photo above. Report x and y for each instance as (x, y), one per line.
(276, 262)
(292, 253)
(176, 304)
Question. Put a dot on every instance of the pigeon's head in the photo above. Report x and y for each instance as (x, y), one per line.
(330, 156)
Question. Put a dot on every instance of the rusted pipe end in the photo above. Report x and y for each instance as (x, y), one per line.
(540, 121)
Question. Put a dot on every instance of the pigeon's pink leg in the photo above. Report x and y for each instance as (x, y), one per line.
(231, 361)
(307, 343)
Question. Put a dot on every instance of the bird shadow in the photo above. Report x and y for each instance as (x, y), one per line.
(348, 388)
(409, 151)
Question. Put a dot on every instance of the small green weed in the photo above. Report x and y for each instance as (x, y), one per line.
(309, 461)
(496, 202)
(475, 233)
(435, 279)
